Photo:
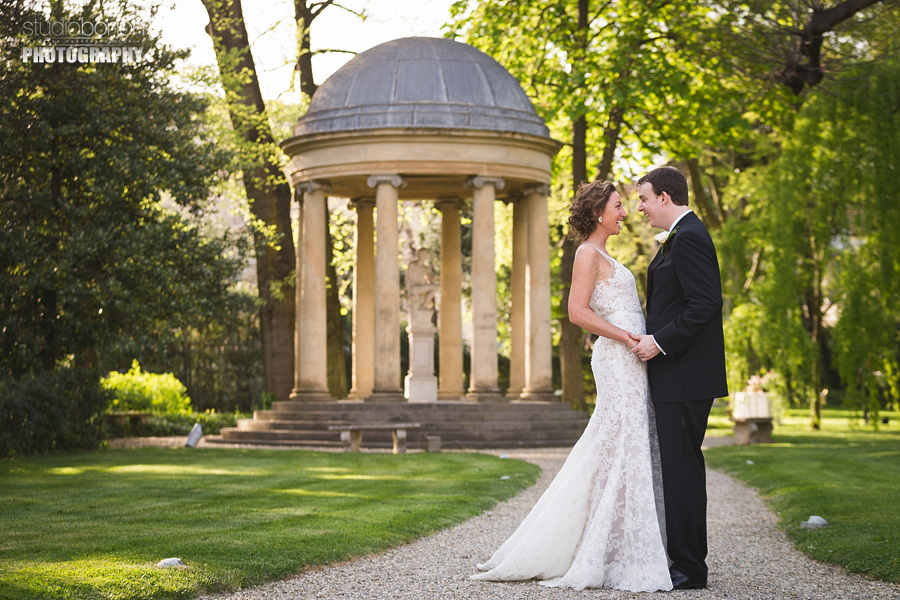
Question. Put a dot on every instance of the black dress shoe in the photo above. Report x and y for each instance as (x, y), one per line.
(681, 582)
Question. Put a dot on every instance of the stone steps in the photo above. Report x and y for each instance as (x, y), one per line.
(459, 424)
(515, 426)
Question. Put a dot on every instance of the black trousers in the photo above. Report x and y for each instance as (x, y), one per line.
(681, 427)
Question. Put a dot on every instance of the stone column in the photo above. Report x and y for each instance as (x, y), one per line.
(311, 382)
(298, 292)
(517, 322)
(386, 382)
(539, 362)
(483, 366)
(450, 350)
(363, 344)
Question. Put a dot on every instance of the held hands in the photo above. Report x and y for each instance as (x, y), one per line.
(644, 347)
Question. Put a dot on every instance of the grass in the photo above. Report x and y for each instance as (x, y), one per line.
(719, 425)
(93, 525)
(846, 473)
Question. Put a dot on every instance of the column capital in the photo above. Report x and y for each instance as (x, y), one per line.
(307, 187)
(395, 180)
(512, 198)
(479, 181)
(538, 188)
(448, 203)
(364, 202)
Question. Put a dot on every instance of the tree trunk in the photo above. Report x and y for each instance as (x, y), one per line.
(304, 15)
(813, 300)
(571, 337)
(704, 202)
(267, 191)
(610, 140)
(804, 69)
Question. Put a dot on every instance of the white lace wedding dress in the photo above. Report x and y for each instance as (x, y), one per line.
(600, 523)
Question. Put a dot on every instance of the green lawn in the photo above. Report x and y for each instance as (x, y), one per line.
(93, 525)
(847, 473)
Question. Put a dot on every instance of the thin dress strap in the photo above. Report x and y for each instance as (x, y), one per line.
(612, 262)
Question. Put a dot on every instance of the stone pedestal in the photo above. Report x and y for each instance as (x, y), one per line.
(420, 383)
(752, 416)
(751, 405)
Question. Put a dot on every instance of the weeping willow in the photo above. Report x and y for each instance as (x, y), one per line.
(867, 268)
(823, 308)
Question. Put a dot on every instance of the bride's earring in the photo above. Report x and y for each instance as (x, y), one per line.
(599, 219)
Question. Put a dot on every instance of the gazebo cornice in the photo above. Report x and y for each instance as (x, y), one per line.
(437, 161)
(303, 143)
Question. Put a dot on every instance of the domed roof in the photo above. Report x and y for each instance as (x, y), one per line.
(421, 83)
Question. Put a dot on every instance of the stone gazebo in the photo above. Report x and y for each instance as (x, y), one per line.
(430, 120)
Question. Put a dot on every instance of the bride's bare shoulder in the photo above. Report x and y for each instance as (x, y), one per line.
(590, 261)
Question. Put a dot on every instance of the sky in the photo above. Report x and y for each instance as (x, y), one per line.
(270, 25)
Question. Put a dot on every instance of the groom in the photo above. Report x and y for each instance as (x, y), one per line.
(685, 353)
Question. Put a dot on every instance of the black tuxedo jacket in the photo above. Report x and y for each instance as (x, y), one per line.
(684, 315)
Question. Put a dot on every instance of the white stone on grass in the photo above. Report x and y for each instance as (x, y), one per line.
(170, 562)
(814, 522)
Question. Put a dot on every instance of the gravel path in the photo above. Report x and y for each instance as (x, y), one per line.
(749, 559)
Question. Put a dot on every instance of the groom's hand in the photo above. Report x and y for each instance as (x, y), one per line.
(646, 348)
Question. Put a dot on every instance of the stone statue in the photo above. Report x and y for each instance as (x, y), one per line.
(421, 286)
(420, 383)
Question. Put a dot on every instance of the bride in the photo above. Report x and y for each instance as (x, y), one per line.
(600, 523)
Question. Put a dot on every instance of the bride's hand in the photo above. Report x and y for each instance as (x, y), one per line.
(632, 341)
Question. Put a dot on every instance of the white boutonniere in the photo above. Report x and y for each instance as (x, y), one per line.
(664, 236)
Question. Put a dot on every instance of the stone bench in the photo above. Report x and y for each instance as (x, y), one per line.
(120, 418)
(752, 430)
(351, 435)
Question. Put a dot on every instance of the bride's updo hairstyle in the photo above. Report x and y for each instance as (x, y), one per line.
(589, 202)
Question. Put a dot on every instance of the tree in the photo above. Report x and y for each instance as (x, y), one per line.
(785, 42)
(784, 197)
(267, 191)
(93, 267)
(828, 272)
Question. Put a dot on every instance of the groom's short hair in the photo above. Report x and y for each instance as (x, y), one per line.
(669, 180)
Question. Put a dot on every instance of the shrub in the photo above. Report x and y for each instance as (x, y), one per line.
(150, 392)
(172, 424)
(50, 411)
(211, 421)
